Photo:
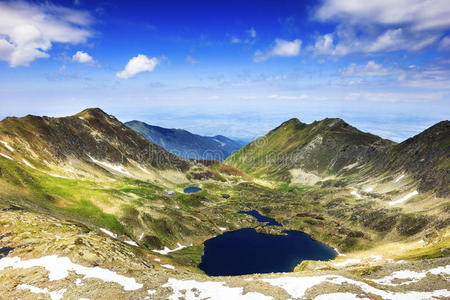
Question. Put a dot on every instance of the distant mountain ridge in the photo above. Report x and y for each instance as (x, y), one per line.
(185, 144)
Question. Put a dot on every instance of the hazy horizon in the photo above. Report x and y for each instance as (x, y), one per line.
(232, 68)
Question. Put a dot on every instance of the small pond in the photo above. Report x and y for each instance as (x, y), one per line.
(192, 189)
(246, 251)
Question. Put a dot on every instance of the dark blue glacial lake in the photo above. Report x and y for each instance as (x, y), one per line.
(192, 189)
(246, 251)
(260, 218)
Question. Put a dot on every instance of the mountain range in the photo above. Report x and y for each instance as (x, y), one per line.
(187, 145)
(88, 194)
(306, 153)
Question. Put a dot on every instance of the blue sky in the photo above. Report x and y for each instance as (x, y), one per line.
(237, 68)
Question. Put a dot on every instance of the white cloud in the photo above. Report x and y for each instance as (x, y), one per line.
(417, 14)
(281, 48)
(370, 69)
(381, 25)
(288, 97)
(191, 60)
(27, 31)
(247, 97)
(83, 57)
(252, 32)
(138, 64)
(444, 44)
(235, 40)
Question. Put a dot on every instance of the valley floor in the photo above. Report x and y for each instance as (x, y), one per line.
(83, 264)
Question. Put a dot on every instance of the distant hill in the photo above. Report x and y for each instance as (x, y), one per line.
(187, 145)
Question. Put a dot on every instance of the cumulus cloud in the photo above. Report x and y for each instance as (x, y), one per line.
(27, 31)
(138, 64)
(280, 48)
(83, 57)
(381, 25)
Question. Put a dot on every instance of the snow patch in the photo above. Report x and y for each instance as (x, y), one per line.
(375, 257)
(157, 259)
(79, 282)
(340, 296)
(141, 236)
(144, 170)
(355, 193)
(69, 170)
(404, 198)
(59, 267)
(6, 156)
(132, 243)
(191, 289)
(151, 292)
(297, 286)
(368, 190)
(167, 266)
(59, 176)
(166, 250)
(28, 164)
(7, 146)
(55, 295)
(119, 169)
(106, 231)
(338, 253)
(410, 276)
(399, 178)
(222, 228)
(348, 262)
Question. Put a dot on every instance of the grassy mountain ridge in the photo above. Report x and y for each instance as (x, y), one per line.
(322, 148)
(185, 144)
(90, 133)
(331, 147)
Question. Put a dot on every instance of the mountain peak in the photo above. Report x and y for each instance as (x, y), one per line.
(94, 112)
(293, 121)
(334, 122)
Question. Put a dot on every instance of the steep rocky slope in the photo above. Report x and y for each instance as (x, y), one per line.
(185, 144)
(90, 134)
(328, 149)
(426, 157)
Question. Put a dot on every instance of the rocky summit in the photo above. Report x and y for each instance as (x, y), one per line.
(92, 209)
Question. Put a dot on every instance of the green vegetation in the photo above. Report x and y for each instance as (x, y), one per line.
(190, 256)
